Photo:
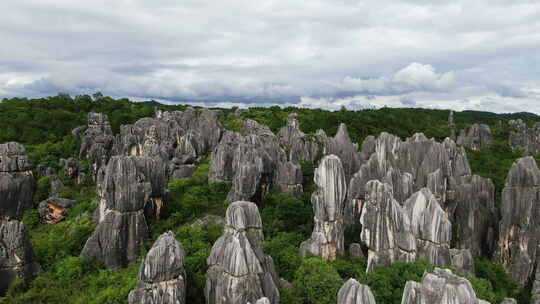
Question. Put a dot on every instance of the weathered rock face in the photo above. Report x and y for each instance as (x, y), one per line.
(328, 205)
(239, 271)
(53, 210)
(416, 163)
(440, 287)
(262, 301)
(353, 292)
(162, 278)
(299, 146)
(179, 138)
(16, 255)
(476, 137)
(253, 162)
(430, 226)
(288, 178)
(418, 229)
(535, 291)
(386, 227)
(17, 184)
(524, 138)
(73, 169)
(97, 141)
(129, 185)
(342, 146)
(510, 301)
(519, 235)
(471, 200)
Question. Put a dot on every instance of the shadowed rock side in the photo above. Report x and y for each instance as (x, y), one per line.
(328, 204)
(535, 291)
(524, 138)
(130, 185)
(440, 287)
(386, 227)
(97, 141)
(300, 147)
(179, 138)
(476, 137)
(430, 226)
(519, 227)
(410, 165)
(162, 278)
(254, 161)
(418, 229)
(239, 271)
(16, 254)
(17, 184)
(353, 292)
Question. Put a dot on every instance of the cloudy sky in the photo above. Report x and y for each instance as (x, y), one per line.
(469, 54)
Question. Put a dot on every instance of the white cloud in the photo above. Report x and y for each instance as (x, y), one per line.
(275, 52)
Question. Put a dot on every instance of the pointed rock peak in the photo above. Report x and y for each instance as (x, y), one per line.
(242, 215)
(419, 137)
(164, 261)
(524, 173)
(292, 121)
(352, 292)
(321, 133)
(343, 133)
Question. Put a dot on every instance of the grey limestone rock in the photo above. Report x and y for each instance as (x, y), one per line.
(288, 178)
(352, 292)
(355, 251)
(239, 271)
(328, 206)
(518, 234)
(386, 227)
(162, 277)
(440, 287)
(476, 137)
(17, 183)
(510, 301)
(430, 226)
(130, 184)
(97, 141)
(16, 254)
(524, 138)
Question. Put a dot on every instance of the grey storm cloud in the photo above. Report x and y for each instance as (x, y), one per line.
(476, 54)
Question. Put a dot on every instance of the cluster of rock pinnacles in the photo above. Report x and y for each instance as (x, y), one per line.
(407, 195)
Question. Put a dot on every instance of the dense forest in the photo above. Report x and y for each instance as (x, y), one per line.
(45, 127)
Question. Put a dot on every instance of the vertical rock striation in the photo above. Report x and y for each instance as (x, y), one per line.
(440, 287)
(239, 271)
(97, 141)
(353, 292)
(16, 254)
(162, 277)
(17, 183)
(386, 228)
(519, 233)
(129, 185)
(524, 138)
(476, 137)
(328, 205)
